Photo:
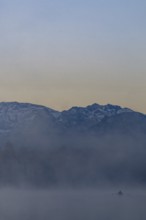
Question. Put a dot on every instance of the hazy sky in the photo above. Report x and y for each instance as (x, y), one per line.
(61, 53)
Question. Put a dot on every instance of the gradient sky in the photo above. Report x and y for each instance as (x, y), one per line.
(62, 53)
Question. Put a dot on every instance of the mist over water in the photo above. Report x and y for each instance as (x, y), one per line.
(72, 205)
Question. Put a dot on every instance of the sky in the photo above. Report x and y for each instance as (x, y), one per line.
(65, 53)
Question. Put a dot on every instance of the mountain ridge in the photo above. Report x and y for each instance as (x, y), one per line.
(80, 146)
(13, 114)
(92, 105)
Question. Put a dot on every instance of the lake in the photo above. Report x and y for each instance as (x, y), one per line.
(72, 205)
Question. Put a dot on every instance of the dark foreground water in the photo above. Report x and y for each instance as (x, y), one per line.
(72, 205)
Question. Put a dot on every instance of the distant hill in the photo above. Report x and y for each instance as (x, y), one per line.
(97, 144)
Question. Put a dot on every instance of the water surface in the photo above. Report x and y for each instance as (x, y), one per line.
(72, 205)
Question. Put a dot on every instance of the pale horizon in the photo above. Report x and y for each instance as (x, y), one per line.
(73, 53)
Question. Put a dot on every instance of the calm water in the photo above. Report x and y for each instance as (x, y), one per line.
(72, 205)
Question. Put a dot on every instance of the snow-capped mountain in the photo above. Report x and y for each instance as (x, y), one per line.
(17, 116)
(23, 122)
(14, 113)
(90, 115)
(34, 123)
(83, 145)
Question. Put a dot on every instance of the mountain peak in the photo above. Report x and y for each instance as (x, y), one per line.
(99, 108)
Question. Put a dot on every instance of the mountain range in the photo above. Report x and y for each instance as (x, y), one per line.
(81, 146)
(30, 118)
